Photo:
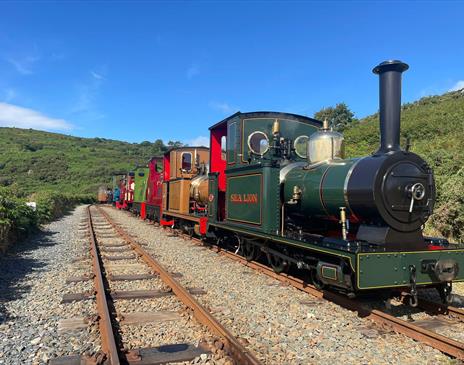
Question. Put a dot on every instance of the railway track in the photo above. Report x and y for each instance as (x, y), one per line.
(114, 349)
(410, 329)
(444, 344)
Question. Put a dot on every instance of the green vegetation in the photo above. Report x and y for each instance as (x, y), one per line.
(435, 126)
(38, 161)
(339, 116)
(18, 220)
(57, 171)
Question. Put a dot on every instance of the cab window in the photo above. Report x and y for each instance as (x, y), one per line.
(186, 161)
(258, 143)
(301, 146)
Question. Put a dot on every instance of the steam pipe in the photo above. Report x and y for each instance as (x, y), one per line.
(390, 104)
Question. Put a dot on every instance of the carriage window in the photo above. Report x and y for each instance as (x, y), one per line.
(301, 146)
(159, 167)
(186, 161)
(258, 143)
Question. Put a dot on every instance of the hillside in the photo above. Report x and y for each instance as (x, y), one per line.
(435, 126)
(36, 160)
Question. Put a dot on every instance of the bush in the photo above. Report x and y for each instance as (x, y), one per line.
(17, 220)
(52, 205)
(449, 215)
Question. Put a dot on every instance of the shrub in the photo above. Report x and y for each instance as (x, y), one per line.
(52, 205)
(17, 220)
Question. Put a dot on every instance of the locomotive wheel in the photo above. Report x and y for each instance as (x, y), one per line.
(250, 251)
(278, 264)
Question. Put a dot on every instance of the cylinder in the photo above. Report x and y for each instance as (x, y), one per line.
(390, 104)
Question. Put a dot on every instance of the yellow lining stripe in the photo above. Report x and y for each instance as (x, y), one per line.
(399, 253)
(235, 229)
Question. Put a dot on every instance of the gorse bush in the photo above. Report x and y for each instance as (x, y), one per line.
(17, 220)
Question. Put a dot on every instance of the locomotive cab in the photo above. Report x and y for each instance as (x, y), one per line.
(185, 189)
(244, 186)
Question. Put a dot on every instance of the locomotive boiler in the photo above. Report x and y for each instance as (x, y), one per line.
(383, 199)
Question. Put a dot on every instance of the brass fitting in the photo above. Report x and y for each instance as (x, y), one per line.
(276, 127)
(296, 196)
(343, 222)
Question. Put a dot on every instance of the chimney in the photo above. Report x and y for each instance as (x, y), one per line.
(390, 104)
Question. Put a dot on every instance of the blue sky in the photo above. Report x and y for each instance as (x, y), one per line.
(140, 71)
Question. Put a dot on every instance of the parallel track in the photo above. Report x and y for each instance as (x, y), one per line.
(444, 344)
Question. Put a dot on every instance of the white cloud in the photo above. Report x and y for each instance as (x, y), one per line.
(192, 71)
(97, 76)
(223, 107)
(199, 141)
(16, 116)
(23, 65)
(457, 86)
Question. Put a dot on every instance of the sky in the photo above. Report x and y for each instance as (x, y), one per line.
(140, 71)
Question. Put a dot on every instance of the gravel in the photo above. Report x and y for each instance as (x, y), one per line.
(279, 323)
(32, 284)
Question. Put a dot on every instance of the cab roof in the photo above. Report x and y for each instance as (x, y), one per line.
(269, 114)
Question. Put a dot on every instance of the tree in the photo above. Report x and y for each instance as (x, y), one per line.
(339, 116)
(159, 146)
(175, 144)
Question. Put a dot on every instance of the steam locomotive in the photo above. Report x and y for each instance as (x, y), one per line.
(278, 184)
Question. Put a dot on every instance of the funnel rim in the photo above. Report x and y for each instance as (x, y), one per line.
(390, 65)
